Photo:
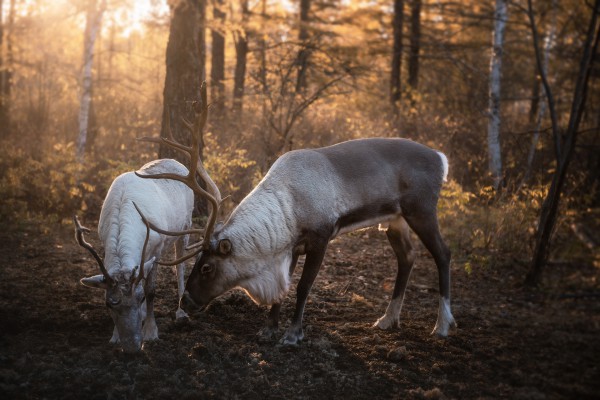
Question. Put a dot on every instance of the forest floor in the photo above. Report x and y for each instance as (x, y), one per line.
(510, 343)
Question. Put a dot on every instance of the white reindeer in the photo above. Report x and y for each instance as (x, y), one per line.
(307, 198)
(129, 281)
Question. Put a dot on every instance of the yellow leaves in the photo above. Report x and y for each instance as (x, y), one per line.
(75, 192)
(88, 187)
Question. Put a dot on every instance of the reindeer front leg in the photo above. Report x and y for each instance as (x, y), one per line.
(180, 245)
(149, 329)
(115, 336)
(314, 259)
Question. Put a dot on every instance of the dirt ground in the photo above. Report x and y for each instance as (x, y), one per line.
(509, 344)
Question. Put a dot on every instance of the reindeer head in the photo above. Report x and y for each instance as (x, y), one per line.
(125, 296)
(211, 276)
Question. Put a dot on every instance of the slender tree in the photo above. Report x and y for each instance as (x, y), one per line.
(3, 101)
(303, 38)
(262, 48)
(202, 38)
(241, 53)
(541, 106)
(93, 21)
(217, 71)
(415, 44)
(395, 84)
(566, 143)
(493, 137)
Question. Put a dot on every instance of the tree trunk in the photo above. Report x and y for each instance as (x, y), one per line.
(92, 28)
(494, 150)
(183, 76)
(550, 206)
(6, 65)
(3, 101)
(262, 46)
(217, 71)
(534, 107)
(395, 85)
(415, 45)
(304, 53)
(541, 107)
(241, 52)
(202, 38)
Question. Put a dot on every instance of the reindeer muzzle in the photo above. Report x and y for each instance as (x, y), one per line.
(188, 305)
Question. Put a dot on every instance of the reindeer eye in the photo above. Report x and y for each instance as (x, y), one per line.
(110, 303)
(206, 269)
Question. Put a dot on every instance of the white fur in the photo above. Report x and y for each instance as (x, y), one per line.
(262, 255)
(166, 203)
(445, 165)
(270, 280)
(391, 318)
(445, 319)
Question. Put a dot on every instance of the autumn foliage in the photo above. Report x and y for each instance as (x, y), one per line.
(346, 96)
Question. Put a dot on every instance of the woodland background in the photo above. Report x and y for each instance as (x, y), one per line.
(81, 80)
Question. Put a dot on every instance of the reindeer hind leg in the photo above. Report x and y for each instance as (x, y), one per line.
(425, 225)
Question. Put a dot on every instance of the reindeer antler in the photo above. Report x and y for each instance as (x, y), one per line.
(212, 194)
(79, 231)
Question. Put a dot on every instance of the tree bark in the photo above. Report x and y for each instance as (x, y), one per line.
(7, 69)
(262, 46)
(493, 139)
(3, 68)
(551, 203)
(92, 28)
(217, 71)
(395, 83)
(415, 45)
(304, 53)
(241, 52)
(541, 106)
(202, 38)
(183, 75)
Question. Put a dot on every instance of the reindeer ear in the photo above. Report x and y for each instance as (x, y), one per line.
(224, 247)
(96, 282)
(148, 266)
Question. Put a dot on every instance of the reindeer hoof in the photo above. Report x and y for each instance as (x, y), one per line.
(441, 330)
(387, 324)
(292, 338)
(181, 315)
(150, 331)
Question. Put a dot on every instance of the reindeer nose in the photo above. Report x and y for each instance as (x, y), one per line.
(187, 304)
(132, 345)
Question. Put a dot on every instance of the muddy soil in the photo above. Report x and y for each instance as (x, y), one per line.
(509, 344)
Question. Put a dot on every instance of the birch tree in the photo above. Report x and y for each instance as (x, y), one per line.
(93, 20)
(493, 137)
